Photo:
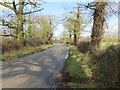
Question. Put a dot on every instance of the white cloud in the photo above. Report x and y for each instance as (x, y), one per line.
(113, 26)
(0, 10)
(112, 31)
(58, 31)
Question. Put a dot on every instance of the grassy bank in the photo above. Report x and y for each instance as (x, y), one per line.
(99, 70)
(24, 51)
(77, 73)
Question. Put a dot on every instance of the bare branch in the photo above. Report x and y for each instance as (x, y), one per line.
(32, 11)
(14, 6)
(112, 9)
(7, 6)
(9, 35)
(89, 6)
(8, 24)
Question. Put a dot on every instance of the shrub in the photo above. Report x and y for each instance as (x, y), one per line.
(36, 42)
(10, 45)
(106, 69)
(83, 46)
(33, 42)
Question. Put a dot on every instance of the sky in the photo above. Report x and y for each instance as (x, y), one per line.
(57, 7)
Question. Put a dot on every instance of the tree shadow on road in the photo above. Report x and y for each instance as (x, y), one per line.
(39, 69)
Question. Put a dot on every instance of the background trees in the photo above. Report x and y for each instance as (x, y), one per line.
(76, 22)
(27, 25)
(69, 27)
(19, 10)
(46, 25)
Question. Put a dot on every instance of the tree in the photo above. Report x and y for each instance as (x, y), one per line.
(69, 28)
(101, 11)
(98, 24)
(47, 23)
(97, 30)
(30, 30)
(76, 20)
(19, 9)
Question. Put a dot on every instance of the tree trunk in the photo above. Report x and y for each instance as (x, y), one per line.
(97, 30)
(75, 37)
(77, 27)
(20, 22)
(50, 37)
(76, 34)
(70, 37)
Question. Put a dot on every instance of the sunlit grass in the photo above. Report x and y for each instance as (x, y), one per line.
(78, 85)
(77, 69)
(105, 45)
(25, 51)
(89, 71)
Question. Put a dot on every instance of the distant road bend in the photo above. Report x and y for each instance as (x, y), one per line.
(34, 71)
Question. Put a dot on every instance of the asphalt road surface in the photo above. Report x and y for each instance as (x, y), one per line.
(34, 71)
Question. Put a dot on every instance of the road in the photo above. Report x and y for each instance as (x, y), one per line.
(34, 71)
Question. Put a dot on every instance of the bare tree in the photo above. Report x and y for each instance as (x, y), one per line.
(76, 22)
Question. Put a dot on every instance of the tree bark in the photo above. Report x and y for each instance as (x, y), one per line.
(77, 28)
(20, 22)
(97, 30)
(75, 37)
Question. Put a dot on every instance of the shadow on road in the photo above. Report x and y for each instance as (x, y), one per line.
(34, 71)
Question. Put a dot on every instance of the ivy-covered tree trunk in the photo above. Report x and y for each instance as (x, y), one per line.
(50, 37)
(50, 33)
(75, 37)
(78, 25)
(77, 28)
(70, 37)
(97, 30)
(20, 22)
(78, 33)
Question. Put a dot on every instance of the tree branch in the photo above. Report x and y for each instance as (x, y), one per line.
(9, 35)
(32, 11)
(89, 6)
(14, 6)
(7, 6)
(8, 24)
(112, 9)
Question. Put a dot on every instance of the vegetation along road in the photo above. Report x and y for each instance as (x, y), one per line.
(34, 71)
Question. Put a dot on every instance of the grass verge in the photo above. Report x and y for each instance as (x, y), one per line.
(83, 70)
(25, 51)
(77, 73)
